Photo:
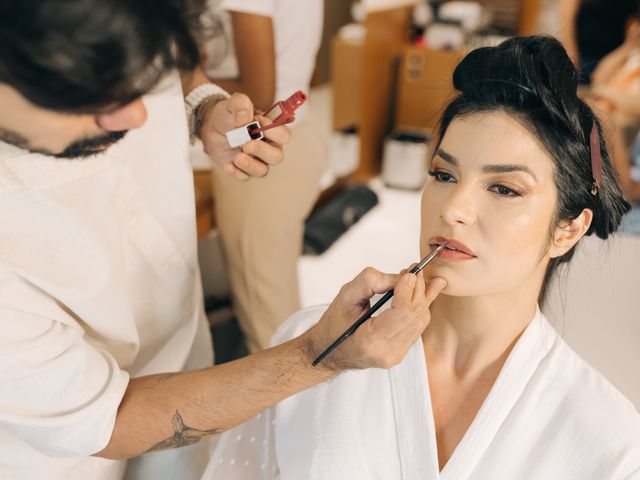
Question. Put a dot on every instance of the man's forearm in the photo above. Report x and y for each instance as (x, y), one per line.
(192, 79)
(568, 10)
(262, 98)
(622, 163)
(231, 85)
(173, 410)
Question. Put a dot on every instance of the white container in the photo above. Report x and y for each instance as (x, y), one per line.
(344, 152)
(404, 163)
(445, 35)
(470, 14)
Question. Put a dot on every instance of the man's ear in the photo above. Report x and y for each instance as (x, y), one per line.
(568, 233)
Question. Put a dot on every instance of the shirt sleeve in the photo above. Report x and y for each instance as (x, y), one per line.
(257, 7)
(246, 452)
(58, 392)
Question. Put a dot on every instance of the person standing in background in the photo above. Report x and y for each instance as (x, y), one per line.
(274, 43)
(615, 94)
(593, 28)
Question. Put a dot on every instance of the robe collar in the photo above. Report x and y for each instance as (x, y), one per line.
(415, 427)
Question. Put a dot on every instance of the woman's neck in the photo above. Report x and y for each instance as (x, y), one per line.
(468, 334)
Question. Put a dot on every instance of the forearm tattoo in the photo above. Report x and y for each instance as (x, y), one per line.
(182, 435)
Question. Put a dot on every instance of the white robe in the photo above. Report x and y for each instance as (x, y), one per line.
(548, 416)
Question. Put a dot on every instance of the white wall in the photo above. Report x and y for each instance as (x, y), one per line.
(596, 309)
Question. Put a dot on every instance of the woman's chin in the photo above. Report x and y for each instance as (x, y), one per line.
(455, 289)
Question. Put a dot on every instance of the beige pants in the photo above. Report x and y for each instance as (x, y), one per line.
(262, 224)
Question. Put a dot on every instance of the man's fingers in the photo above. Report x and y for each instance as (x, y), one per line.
(406, 270)
(369, 282)
(433, 289)
(234, 112)
(411, 300)
(420, 289)
(228, 114)
(278, 135)
(250, 165)
(235, 172)
(403, 292)
(267, 153)
(241, 109)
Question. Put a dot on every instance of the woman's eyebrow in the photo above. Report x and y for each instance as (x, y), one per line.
(508, 168)
(447, 157)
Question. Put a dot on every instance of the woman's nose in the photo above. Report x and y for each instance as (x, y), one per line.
(130, 116)
(459, 208)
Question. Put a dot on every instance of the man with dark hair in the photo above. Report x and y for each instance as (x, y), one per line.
(104, 352)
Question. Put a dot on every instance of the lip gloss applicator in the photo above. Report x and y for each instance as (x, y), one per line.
(281, 113)
(367, 315)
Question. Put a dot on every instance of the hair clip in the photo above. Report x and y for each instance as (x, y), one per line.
(596, 160)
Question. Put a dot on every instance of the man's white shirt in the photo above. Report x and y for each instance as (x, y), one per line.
(98, 283)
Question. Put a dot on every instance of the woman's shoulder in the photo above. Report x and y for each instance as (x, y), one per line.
(584, 377)
(298, 323)
(582, 413)
(588, 394)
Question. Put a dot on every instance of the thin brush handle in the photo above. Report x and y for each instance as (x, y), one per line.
(367, 315)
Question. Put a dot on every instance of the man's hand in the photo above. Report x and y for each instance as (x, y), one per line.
(254, 158)
(623, 105)
(157, 410)
(384, 340)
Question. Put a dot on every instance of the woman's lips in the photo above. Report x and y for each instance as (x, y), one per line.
(454, 255)
(454, 250)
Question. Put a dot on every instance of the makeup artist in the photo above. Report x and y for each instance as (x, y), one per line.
(104, 349)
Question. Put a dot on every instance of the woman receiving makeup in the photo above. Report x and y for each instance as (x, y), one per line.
(519, 174)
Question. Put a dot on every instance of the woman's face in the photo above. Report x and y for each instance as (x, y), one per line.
(491, 192)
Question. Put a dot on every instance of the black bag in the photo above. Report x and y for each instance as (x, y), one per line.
(335, 217)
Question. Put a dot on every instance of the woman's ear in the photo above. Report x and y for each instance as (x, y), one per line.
(568, 233)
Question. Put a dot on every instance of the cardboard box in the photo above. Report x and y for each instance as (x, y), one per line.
(346, 77)
(424, 86)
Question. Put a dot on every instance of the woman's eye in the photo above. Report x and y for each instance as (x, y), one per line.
(505, 191)
(441, 176)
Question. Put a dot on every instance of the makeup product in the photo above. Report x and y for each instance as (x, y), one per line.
(284, 111)
(367, 315)
(241, 135)
(281, 113)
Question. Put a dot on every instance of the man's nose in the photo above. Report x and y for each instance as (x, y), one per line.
(131, 115)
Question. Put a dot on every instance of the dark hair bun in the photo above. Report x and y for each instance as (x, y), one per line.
(531, 70)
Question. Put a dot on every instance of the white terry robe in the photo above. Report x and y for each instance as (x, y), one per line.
(549, 415)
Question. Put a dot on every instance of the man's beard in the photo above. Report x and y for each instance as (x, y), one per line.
(80, 149)
(89, 146)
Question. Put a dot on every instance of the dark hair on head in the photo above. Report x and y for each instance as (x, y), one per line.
(82, 56)
(533, 80)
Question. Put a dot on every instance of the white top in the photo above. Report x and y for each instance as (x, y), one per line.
(98, 283)
(549, 415)
(297, 29)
